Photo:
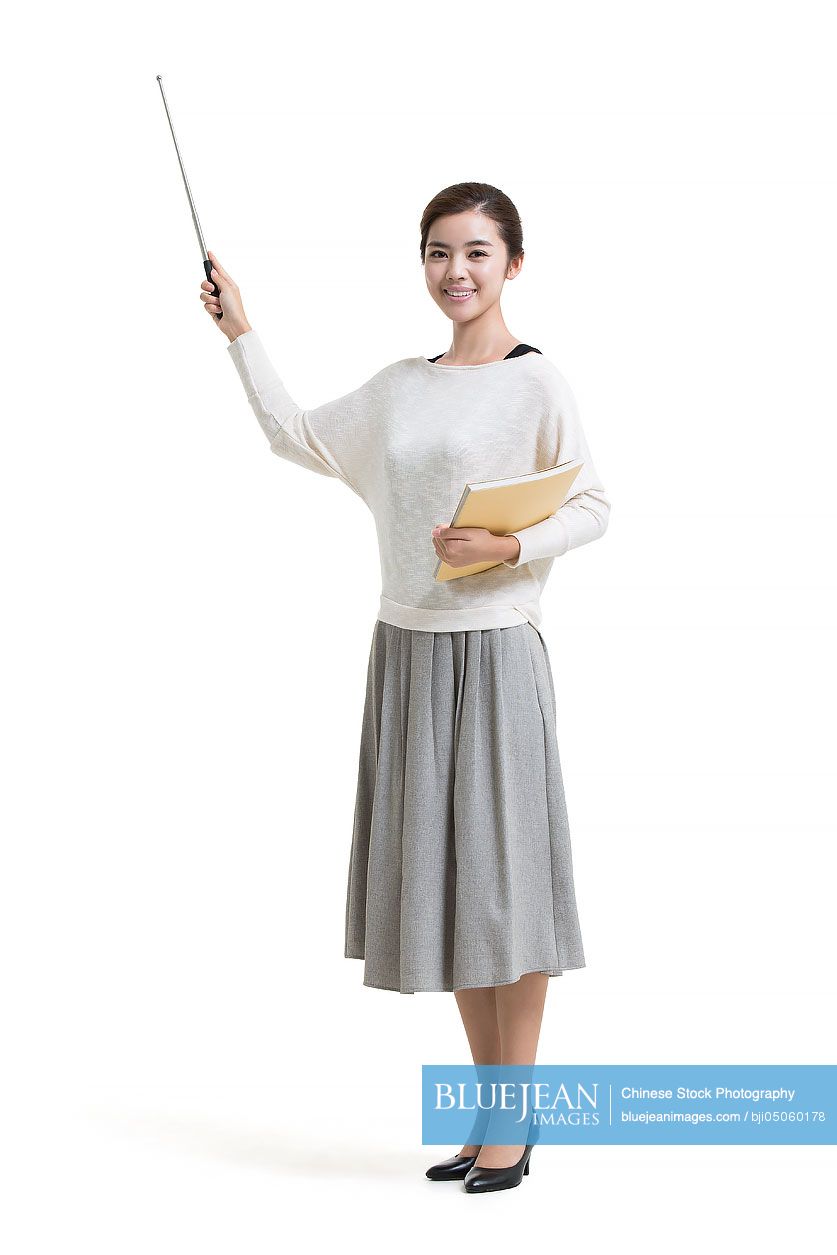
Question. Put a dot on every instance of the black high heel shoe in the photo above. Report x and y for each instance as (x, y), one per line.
(483, 1180)
(453, 1169)
(457, 1167)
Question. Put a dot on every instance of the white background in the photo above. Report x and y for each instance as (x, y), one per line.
(191, 1063)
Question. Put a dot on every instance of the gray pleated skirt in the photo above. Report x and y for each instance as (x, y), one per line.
(460, 873)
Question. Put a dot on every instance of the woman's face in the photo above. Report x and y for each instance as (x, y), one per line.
(464, 252)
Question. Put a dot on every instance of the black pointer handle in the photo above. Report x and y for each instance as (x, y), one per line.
(216, 291)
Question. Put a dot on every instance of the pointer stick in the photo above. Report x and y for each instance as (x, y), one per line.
(207, 264)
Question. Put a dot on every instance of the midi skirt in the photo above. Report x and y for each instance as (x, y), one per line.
(460, 871)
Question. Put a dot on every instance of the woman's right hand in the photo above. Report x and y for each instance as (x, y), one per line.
(228, 302)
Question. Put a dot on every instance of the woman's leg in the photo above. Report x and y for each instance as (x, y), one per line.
(519, 1012)
(478, 1009)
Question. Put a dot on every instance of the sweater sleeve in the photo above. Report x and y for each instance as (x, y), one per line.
(584, 515)
(330, 440)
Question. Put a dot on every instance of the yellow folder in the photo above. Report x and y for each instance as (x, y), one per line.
(508, 505)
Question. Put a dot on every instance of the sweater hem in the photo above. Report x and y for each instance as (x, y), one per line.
(456, 619)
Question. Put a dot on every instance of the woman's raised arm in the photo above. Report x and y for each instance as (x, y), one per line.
(333, 439)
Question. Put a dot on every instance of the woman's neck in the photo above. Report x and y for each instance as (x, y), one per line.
(475, 343)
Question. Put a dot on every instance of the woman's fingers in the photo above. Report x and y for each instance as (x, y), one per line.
(226, 301)
(217, 265)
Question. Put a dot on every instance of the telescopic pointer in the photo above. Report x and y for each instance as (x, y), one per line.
(207, 264)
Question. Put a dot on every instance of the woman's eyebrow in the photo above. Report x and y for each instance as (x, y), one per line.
(439, 244)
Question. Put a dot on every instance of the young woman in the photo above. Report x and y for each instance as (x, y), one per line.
(460, 873)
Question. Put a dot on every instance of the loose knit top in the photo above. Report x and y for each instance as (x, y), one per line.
(408, 440)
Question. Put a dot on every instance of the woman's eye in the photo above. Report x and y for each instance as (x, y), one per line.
(478, 252)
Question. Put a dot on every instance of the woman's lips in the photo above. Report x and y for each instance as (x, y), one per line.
(459, 299)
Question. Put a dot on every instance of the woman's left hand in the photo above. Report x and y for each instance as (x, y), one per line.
(460, 546)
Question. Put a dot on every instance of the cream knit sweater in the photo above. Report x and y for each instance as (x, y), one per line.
(408, 440)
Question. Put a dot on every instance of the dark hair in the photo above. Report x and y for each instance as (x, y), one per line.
(479, 198)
